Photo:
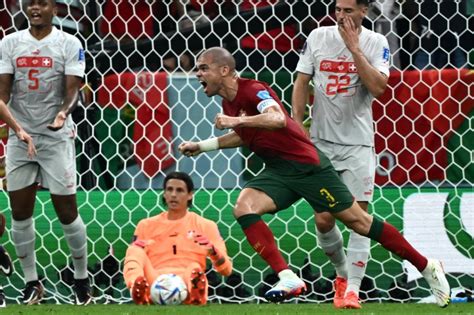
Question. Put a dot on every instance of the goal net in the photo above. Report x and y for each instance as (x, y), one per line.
(141, 99)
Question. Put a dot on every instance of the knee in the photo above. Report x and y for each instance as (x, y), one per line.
(241, 208)
(361, 224)
(324, 222)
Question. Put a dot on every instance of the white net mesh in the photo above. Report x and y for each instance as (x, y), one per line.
(142, 100)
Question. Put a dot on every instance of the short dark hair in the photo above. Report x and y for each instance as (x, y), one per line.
(181, 176)
(364, 2)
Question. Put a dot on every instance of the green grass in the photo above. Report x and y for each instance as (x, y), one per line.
(243, 309)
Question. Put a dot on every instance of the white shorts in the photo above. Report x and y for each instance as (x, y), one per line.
(53, 167)
(355, 164)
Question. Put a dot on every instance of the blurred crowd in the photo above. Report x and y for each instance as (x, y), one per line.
(422, 35)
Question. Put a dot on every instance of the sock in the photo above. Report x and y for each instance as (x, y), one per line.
(75, 235)
(261, 239)
(357, 256)
(332, 245)
(23, 236)
(391, 239)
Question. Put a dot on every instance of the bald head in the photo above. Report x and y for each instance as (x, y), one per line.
(220, 56)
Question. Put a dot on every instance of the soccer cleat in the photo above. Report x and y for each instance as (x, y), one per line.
(3, 303)
(33, 293)
(436, 278)
(82, 291)
(290, 285)
(141, 291)
(6, 266)
(197, 291)
(352, 301)
(340, 285)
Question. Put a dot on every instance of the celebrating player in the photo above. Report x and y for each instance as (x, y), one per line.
(294, 169)
(40, 74)
(175, 241)
(349, 65)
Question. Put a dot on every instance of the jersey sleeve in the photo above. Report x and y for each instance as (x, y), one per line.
(306, 63)
(75, 58)
(6, 62)
(260, 95)
(380, 58)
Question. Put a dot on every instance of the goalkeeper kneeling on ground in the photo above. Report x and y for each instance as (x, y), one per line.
(175, 241)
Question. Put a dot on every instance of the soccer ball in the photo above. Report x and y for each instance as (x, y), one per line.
(168, 289)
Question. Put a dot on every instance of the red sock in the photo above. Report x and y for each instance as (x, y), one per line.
(392, 240)
(262, 240)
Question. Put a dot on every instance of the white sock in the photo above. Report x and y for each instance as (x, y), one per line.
(332, 245)
(75, 235)
(23, 236)
(357, 256)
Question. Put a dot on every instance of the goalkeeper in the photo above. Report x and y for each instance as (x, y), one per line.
(175, 241)
(294, 169)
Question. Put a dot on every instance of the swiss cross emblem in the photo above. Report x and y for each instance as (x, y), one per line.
(46, 62)
(352, 67)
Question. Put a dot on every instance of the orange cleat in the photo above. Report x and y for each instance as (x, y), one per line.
(197, 291)
(352, 301)
(340, 285)
(141, 291)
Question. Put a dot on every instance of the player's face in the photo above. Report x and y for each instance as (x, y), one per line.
(176, 195)
(40, 12)
(209, 74)
(350, 9)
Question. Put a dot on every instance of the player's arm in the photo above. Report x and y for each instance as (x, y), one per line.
(6, 81)
(71, 98)
(229, 140)
(5, 114)
(299, 98)
(372, 78)
(271, 118)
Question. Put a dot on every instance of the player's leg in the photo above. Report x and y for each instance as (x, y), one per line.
(23, 236)
(357, 165)
(138, 273)
(391, 239)
(250, 205)
(58, 173)
(331, 241)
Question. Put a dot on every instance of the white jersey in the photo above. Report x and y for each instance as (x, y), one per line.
(39, 68)
(342, 110)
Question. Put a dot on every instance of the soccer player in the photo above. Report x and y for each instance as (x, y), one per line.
(40, 75)
(175, 241)
(349, 65)
(294, 169)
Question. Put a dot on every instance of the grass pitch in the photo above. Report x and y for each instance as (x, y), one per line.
(243, 309)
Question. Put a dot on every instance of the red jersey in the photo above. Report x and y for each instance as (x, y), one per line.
(288, 143)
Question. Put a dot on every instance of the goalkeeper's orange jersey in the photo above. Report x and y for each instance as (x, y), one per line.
(170, 243)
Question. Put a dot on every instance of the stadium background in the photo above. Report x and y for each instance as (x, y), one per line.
(136, 109)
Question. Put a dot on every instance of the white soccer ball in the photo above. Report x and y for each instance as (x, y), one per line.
(168, 289)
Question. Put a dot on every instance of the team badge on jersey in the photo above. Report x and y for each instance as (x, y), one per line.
(82, 55)
(263, 95)
(386, 54)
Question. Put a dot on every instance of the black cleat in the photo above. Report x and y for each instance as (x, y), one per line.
(33, 293)
(6, 266)
(82, 292)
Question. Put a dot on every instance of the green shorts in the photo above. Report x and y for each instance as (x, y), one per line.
(285, 182)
